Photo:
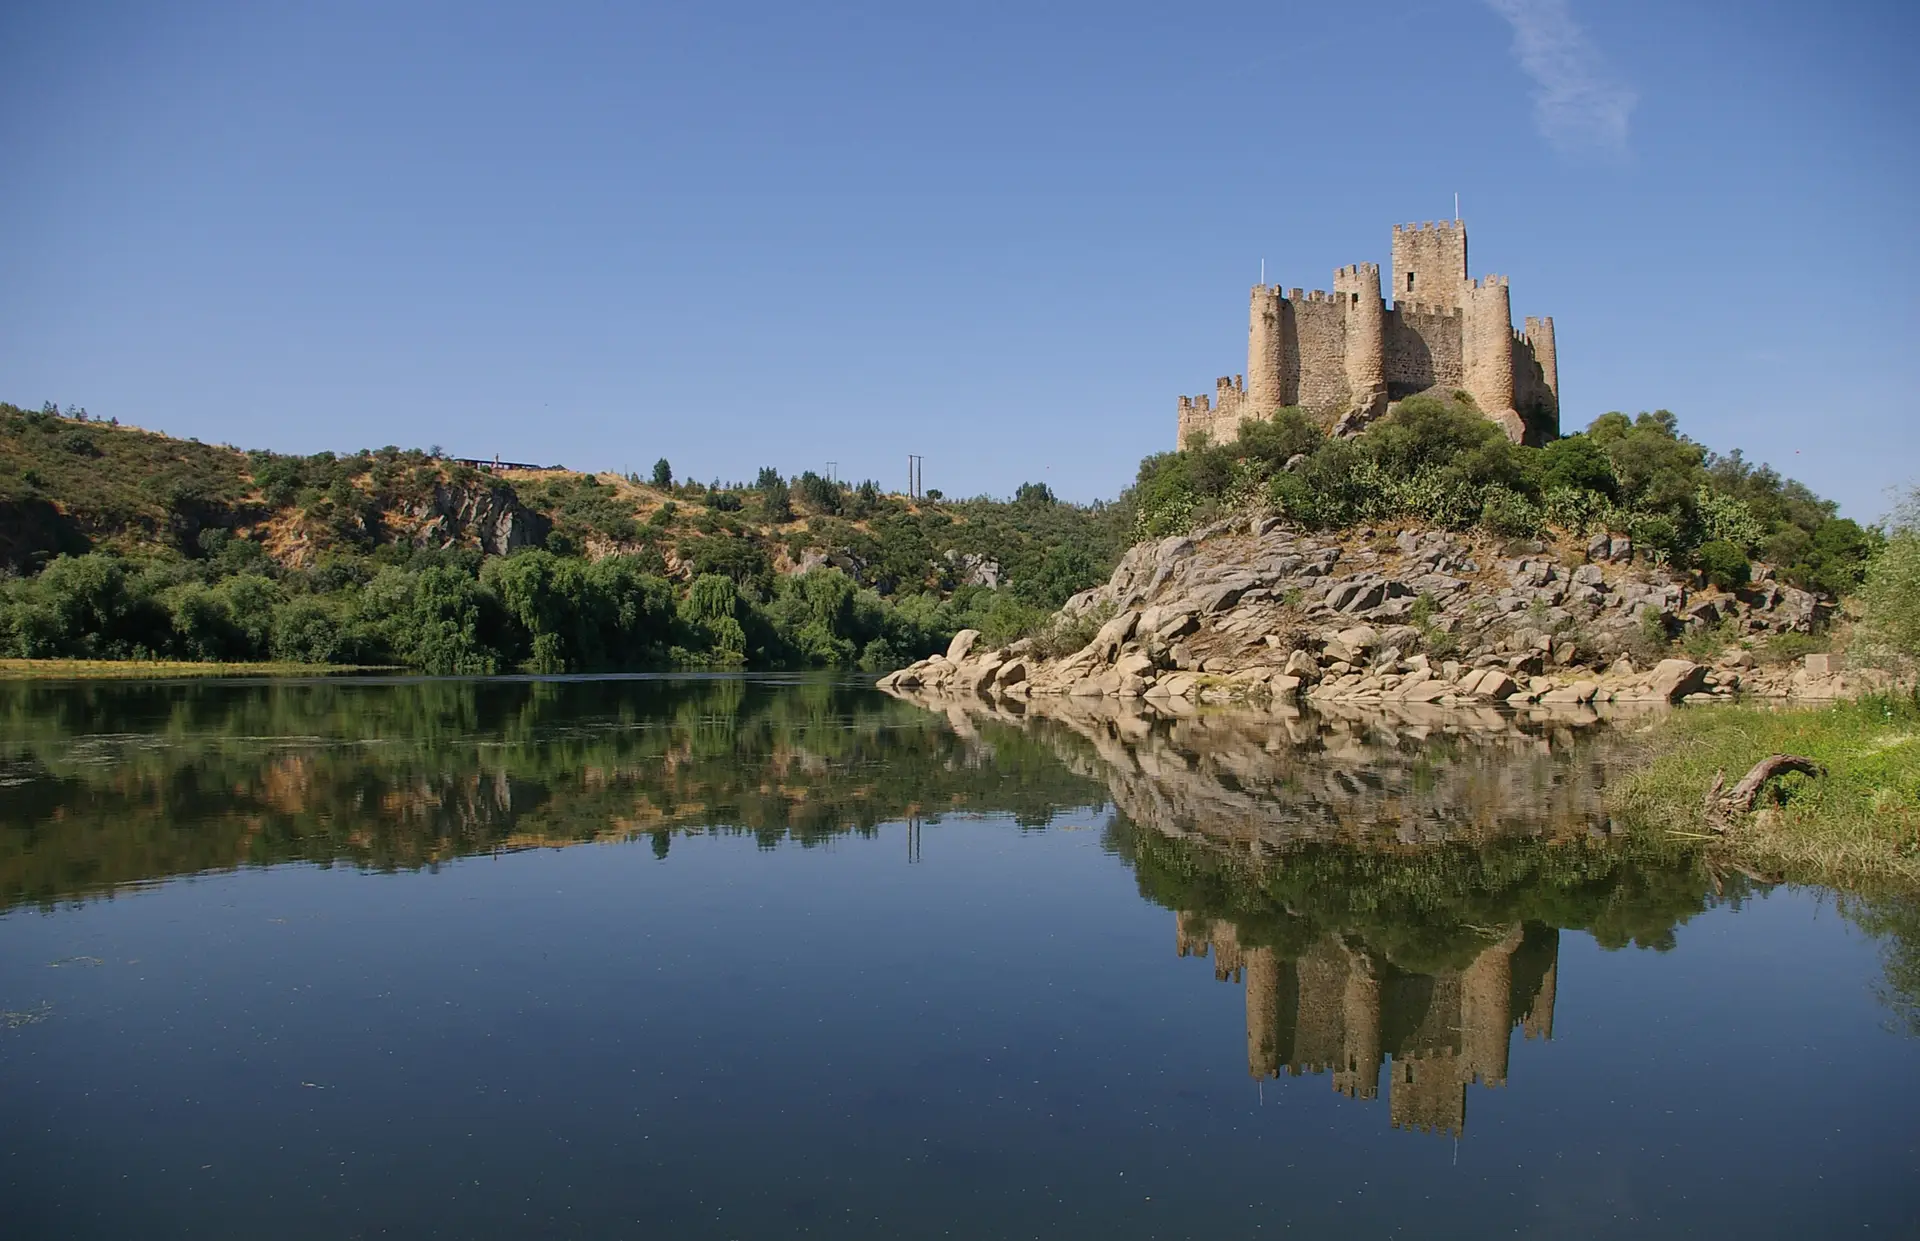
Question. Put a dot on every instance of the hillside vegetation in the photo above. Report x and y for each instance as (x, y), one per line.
(1441, 464)
(128, 544)
(125, 544)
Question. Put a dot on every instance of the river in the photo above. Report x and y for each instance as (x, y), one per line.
(766, 957)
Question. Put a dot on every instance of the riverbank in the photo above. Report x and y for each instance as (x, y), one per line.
(132, 669)
(1856, 827)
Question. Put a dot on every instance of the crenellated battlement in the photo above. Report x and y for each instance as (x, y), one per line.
(1344, 355)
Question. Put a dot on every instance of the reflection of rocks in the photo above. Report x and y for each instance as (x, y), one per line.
(1337, 1009)
(1264, 781)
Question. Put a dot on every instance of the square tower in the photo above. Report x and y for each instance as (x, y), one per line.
(1429, 263)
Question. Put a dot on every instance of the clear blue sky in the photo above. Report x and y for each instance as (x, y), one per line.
(1001, 235)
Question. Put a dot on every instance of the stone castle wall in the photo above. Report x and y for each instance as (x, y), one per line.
(1343, 356)
(1317, 351)
(1423, 351)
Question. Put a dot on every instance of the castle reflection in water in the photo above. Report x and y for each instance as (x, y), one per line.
(1337, 1009)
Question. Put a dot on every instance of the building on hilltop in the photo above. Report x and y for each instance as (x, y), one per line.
(1346, 356)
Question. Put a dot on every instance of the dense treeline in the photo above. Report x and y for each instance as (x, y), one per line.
(1441, 463)
(460, 613)
(142, 546)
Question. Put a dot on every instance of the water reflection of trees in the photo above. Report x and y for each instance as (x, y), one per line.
(115, 784)
(1411, 844)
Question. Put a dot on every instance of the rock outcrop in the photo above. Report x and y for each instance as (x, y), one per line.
(484, 515)
(1253, 610)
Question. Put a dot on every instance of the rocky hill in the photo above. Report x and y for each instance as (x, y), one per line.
(1257, 609)
(70, 484)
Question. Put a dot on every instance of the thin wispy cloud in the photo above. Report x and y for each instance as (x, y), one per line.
(1578, 103)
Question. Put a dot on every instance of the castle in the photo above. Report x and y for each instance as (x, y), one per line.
(1346, 356)
(1334, 1006)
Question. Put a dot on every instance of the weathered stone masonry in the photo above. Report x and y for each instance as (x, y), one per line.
(1346, 356)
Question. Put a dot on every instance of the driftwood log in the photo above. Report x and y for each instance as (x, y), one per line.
(1722, 802)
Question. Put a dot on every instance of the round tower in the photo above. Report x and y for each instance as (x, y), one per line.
(1357, 1076)
(1266, 352)
(1486, 340)
(1263, 1013)
(1358, 289)
(1540, 336)
(1486, 1011)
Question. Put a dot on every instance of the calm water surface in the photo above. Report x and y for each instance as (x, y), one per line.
(726, 958)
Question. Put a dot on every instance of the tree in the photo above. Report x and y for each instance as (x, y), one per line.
(1658, 469)
(1892, 588)
(776, 505)
(443, 622)
(662, 474)
(1576, 462)
(819, 494)
(1034, 495)
(711, 612)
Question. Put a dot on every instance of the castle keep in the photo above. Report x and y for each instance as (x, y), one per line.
(1345, 356)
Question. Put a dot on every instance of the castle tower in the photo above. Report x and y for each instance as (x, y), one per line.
(1539, 1019)
(1358, 289)
(1429, 263)
(1428, 1093)
(1486, 347)
(1540, 335)
(1266, 355)
(1357, 1076)
(1263, 1013)
(1486, 1011)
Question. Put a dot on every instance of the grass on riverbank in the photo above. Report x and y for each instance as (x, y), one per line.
(1857, 827)
(128, 669)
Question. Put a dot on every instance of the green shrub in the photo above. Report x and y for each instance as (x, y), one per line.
(1787, 648)
(1723, 564)
(1068, 634)
(1509, 514)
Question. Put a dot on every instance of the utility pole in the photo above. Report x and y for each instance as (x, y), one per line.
(914, 475)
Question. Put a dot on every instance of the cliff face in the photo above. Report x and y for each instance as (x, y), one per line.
(484, 515)
(1255, 609)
